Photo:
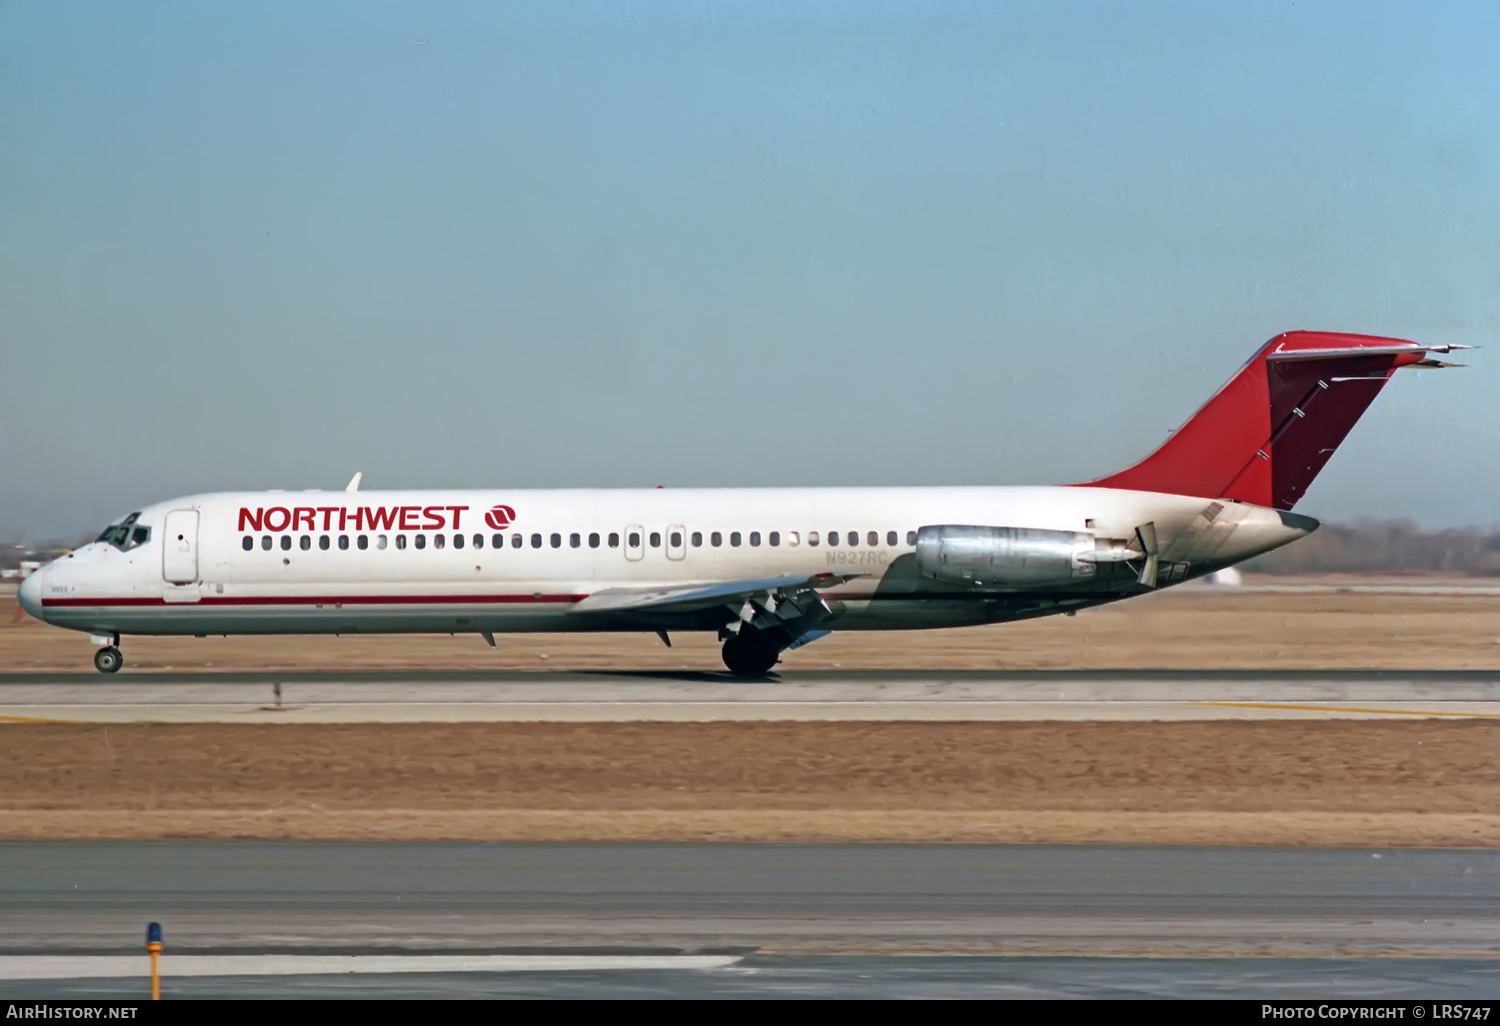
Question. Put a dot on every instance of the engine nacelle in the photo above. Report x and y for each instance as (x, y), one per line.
(1005, 557)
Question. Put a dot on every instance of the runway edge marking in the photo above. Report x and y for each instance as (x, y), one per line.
(1304, 707)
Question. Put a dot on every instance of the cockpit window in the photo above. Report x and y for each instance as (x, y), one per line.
(122, 537)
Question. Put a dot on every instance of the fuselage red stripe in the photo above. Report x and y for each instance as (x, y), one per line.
(322, 600)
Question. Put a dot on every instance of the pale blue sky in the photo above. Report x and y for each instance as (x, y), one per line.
(533, 244)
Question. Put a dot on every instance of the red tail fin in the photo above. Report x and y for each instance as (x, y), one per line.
(1265, 435)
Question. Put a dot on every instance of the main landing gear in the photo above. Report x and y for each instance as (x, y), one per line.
(750, 654)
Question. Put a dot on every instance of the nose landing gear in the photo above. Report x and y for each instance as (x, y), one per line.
(108, 659)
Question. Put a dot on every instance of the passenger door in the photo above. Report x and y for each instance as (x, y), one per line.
(179, 547)
(635, 542)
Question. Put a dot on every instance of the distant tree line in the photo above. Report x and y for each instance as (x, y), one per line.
(1386, 546)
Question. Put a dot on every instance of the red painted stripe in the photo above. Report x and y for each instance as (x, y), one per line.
(103, 602)
(324, 600)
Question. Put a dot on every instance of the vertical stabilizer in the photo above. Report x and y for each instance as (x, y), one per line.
(1265, 435)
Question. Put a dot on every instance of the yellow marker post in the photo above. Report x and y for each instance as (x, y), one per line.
(153, 945)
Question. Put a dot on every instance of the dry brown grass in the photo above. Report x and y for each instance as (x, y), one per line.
(1325, 782)
(1277, 782)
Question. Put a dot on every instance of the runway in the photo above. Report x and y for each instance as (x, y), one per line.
(758, 919)
(447, 697)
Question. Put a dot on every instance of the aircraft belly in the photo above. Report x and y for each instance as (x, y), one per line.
(890, 614)
(282, 615)
(386, 618)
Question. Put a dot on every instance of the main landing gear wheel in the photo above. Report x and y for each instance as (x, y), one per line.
(749, 655)
(108, 659)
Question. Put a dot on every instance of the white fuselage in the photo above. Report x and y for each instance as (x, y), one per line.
(355, 562)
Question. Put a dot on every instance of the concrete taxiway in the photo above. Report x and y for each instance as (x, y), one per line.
(400, 697)
(247, 898)
(371, 919)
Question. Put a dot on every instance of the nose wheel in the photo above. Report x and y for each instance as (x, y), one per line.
(108, 659)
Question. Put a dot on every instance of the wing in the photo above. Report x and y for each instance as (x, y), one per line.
(765, 591)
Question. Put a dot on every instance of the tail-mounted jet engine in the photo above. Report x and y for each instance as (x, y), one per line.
(1012, 557)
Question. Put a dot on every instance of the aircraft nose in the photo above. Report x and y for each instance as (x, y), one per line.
(30, 594)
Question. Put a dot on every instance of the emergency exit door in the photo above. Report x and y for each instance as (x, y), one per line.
(635, 542)
(179, 552)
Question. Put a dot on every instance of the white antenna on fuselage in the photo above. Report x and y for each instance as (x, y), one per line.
(353, 485)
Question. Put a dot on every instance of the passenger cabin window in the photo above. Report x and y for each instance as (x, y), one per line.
(363, 541)
(872, 539)
(656, 539)
(419, 541)
(675, 540)
(379, 541)
(697, 539)
(265, 542)
(633, 540)
(755, 538)
(344, 541)
(498, 541)
(716, 539)
(594, 540)
(614, 540)
(536, 541)
(911, 537)
(774, 538)
(890, 537)
(305, 542)
(812, 538)
(734, 538)
(437, 541)
(247, 543)
(286, 542)
(400, 541)
(515, 541)
(323, 542)
(833, 537)
(479, 541)
(793, 538)
(556, 541)
(575, 540)
(458, 541)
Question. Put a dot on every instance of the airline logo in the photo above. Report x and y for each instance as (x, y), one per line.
(500, 517)
(364, 518)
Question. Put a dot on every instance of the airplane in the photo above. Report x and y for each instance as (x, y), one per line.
(768, 569)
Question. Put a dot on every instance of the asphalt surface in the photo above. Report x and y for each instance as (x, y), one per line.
(806, 920)
(895, 977)
(500, 696)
